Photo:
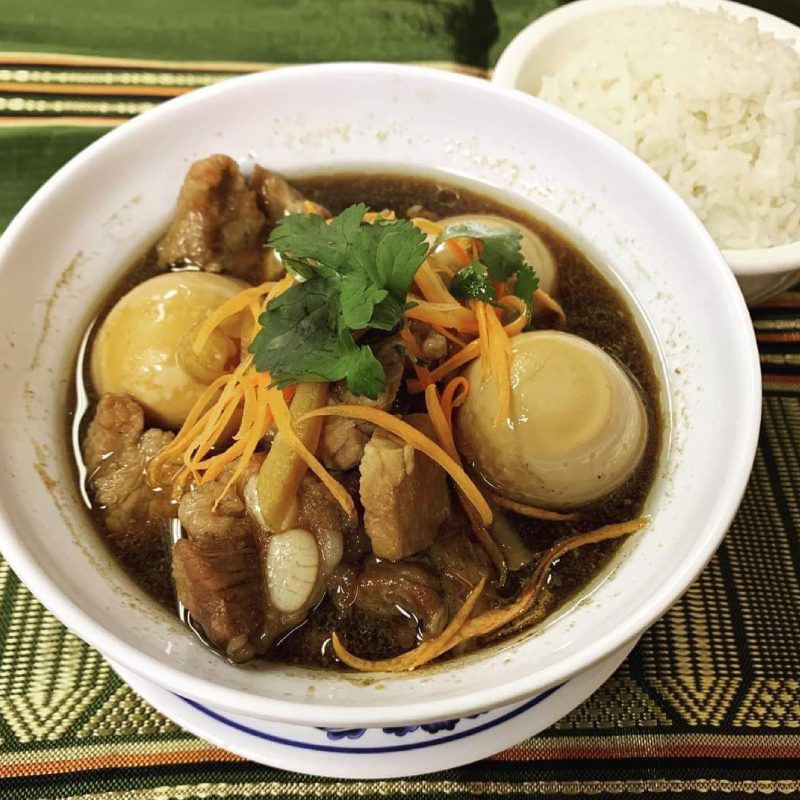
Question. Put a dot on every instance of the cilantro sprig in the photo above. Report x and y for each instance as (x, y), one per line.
(354, 277)
(351, 276)
(501, 258)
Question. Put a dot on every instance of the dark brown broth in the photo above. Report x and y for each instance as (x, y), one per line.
(594, 311)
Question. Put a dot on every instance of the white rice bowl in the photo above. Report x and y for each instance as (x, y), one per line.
(711, 103)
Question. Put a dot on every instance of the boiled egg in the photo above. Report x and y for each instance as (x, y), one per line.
(576, 430)
(144, 346)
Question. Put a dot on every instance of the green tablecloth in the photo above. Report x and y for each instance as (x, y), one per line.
(708, 702)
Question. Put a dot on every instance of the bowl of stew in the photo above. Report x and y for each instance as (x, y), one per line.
(334, 402)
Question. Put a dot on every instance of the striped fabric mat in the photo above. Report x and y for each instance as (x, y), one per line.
(708, 703)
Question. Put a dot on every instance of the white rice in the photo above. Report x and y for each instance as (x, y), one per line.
(709, 102)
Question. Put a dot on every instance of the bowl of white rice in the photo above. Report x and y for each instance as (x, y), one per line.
(707, 92)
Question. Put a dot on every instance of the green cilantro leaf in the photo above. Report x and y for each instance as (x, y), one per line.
(501, 245)
(472, 283)
(359, 298)
(365, 374)
(309, 237)
(301, 340)
(354, 276)
(527, 283)
(300, 334)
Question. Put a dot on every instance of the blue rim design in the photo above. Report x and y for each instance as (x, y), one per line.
(326, 748)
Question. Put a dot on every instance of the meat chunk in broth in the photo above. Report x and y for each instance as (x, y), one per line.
(402, 590)
(404, 494)
(459, 562)
(276, 196)
(116, 450)
(342, 441)
(218, 225)
(216, 570)
(319, 512)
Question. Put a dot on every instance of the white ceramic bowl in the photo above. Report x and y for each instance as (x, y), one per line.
(67, 246)
(539, 50)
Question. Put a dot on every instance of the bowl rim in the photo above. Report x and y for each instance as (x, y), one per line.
(747, 262)
(34, 575)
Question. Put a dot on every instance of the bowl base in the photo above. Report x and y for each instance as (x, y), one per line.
(376, 752)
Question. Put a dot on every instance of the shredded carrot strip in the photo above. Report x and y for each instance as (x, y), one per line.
(213, 466)
(499, 347)
(418, 656)
(427, 226)
(443, 429)
(286, 282)
(386, 213)
(453, 396)
(491, 621)
(548, 302)
(283, 421)
(248, 411)
(446, 315)
(410, 342)
(417, 440)
(531, 511)
(255, 309)
(423, 373)
(441, 424)
(215, 427)
(228, 309)
(483, 339)
(494, 619)
(442, 641)
(432, 286)
(472, 350)
(469, 353)
(459, 252)
(243, 390)
(225, 407)
(190, 428)
(257, 430)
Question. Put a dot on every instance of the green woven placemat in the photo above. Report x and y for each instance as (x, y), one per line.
(707, 703)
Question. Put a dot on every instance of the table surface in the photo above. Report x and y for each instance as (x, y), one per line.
(707, 703)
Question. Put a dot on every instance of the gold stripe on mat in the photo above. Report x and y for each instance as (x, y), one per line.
(781, 359)
(72, 81)
(103, 122)
(68, 59)
(670, 745)
(18, 105)
(109, 755)
(26, 77)
(65, 59)
(118, 760)
(779, 324)
(432, 788)
(70, 89)
(92, 754)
